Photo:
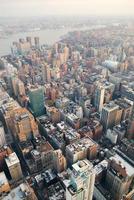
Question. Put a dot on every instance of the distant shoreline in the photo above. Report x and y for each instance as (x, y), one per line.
(47, 36)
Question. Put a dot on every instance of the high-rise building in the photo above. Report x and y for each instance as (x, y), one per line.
(36, 97)
(130, 131)
(23, 47)
(109, 115)
(59, 161)
(29, 39)
(126, 106)
(99, 98)
(46, 73)
(18, 87)
(2, 135)
(23, 125)
(119, 176)
(66, 53)
(37, 42)
(14, 167)
(82, 181)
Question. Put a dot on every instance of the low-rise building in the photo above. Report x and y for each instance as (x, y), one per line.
(82, 148)
(23, 191)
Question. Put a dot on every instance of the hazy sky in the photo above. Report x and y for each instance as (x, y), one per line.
(67, 7)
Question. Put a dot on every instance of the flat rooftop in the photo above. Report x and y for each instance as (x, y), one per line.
(12, 159)
(56, 192)
(129, 168)
(18, 193)
(111, 106)
(81, 144)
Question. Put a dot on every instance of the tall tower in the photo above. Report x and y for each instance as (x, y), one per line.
(130, 131)
(109, 115)
(82, 181)
(46, 73)
(29, 39)
(99, 98)
(37, 42)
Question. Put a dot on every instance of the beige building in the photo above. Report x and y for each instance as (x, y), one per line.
(14, 167)
(46, 73)
(59, 161)
(81, 149)
(23, 124)
(119, 177)
(54, 114)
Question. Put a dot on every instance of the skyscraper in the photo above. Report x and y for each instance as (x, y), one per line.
(130, 131)
(82, 181)
(36, 97)
(37, 42)
(99, 98)
(29, 39)
(109, 115)
(46, 74)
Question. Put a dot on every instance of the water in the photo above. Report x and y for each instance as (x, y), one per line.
(46, 37)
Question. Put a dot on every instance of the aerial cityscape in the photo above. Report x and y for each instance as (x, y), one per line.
(67, 100)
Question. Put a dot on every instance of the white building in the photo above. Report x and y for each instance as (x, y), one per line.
(82, 181)
(14, 166)
(112, 136)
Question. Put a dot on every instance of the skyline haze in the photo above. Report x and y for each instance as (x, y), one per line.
(19, 8)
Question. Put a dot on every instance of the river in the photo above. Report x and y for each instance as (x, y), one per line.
(49, 36)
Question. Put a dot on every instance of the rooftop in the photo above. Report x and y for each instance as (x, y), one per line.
(123, 164)
(110, 106)
(12, 159)
(124, 103)
(20, 192)
(56, 192)
(81, 145)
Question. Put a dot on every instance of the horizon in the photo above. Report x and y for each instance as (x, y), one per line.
(42, 8)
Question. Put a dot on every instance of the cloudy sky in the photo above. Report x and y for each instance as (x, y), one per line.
(67, 7)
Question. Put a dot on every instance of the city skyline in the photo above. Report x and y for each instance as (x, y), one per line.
(66, 100)
(18, 8)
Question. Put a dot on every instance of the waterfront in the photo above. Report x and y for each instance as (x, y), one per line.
(48, 36)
